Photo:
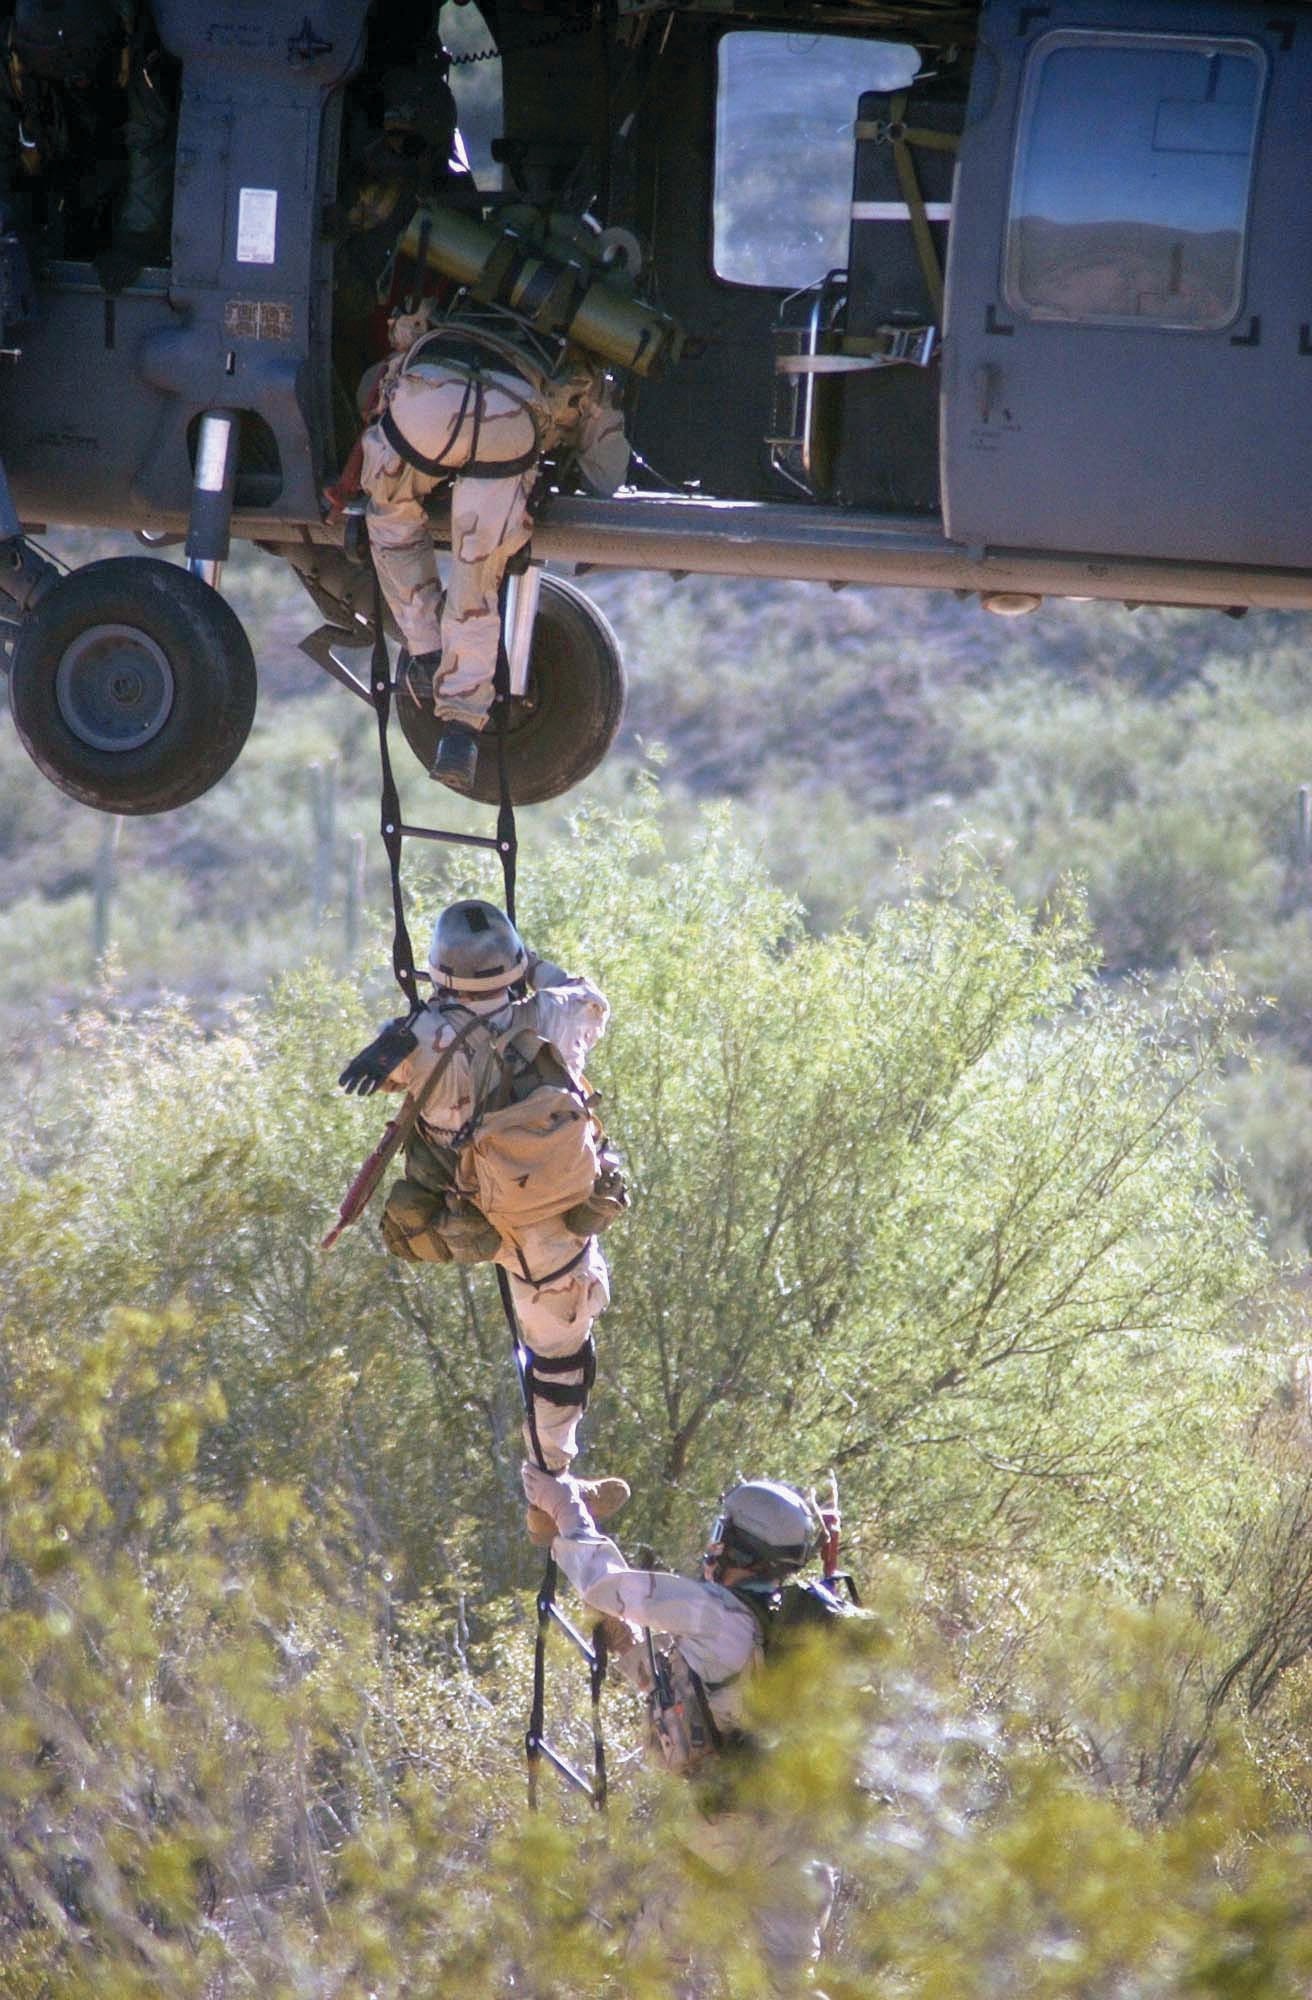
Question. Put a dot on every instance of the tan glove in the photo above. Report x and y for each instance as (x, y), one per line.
(620, 1636)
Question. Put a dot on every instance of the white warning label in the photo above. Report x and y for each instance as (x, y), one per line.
(257, 225)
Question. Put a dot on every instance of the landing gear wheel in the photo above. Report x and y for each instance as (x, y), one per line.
(564, 724)
(133, 686)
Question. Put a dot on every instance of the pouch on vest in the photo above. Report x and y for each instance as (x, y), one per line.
(681, 1729)
(530, 1162)
(407, 1224)
(427, 1228)
(429, 1165)
(608, 1200)
(468, 1235)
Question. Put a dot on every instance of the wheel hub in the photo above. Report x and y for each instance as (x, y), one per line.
(114, 687)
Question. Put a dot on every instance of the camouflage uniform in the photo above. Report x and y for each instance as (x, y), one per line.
(721, 1641)
(557, 1316)
(468, 402)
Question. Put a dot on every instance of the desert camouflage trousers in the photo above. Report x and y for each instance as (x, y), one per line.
(490, 522)
(556, 1319)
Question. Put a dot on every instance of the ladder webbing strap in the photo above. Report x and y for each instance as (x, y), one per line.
(596, 1681)
(403, 964)
(547, 1588)
(507, 840)
(535, 1745)
(380, 688)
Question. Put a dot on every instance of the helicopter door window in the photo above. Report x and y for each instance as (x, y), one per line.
(1131, 188)
(475, 80)
(784, 149)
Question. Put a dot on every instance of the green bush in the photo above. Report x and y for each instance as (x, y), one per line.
(919, 1201)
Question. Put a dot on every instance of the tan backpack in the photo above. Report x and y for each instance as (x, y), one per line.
(533, 1151)
(530, 1161)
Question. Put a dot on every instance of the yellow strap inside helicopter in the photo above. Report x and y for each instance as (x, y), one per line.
(891, 131)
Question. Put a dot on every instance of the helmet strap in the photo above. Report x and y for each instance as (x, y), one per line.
(467, 998)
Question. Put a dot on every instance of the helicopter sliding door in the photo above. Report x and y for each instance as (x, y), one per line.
(1128, 368)
(747, 158)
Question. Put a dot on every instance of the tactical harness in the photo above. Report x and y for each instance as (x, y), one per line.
(681, 1722)
(467, 350)
(451, 1185)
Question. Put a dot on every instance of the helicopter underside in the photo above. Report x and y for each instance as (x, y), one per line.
(838, 546)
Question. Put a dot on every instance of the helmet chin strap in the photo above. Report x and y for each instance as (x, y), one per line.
(480, 1003)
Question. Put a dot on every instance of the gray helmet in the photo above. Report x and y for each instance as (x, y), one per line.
(764, 1525)
(475, 949)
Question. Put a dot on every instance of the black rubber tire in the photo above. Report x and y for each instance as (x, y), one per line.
(125, 645)
(565, 724)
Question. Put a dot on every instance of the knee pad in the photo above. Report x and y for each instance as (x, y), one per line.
(539, 1369)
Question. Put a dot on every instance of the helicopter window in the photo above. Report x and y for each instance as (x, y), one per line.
(1130, 198)
(476, 82)
(784, 149)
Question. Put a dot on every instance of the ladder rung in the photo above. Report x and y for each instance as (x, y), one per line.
(454, 839)
(536, 1747)
(572, 1633)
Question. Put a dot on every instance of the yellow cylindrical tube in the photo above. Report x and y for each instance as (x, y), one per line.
(557, 296)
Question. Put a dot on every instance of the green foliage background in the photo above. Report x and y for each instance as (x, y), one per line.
(959, 1056)
(920, 1198)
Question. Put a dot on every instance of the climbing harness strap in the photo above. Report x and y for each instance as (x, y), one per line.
(471, 344)
(439, 465)
(528, 1366)
(565, 1395)
(507, 838)
(550, 1277)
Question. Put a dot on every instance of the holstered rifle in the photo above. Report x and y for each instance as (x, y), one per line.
(395, 1134)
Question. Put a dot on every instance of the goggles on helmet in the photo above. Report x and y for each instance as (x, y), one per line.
(728, 1538)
